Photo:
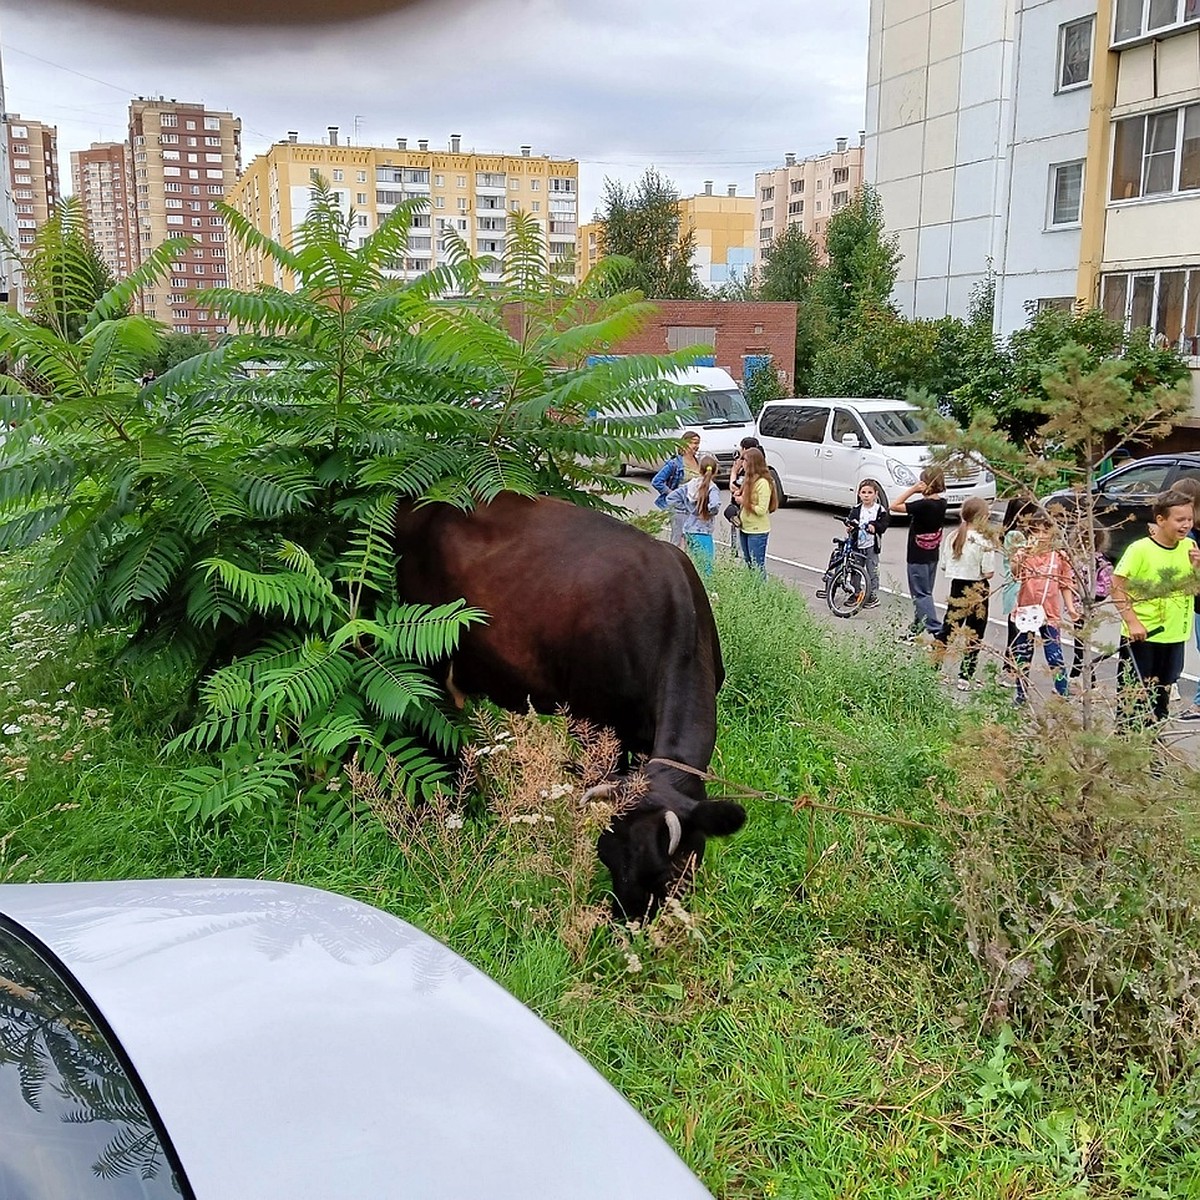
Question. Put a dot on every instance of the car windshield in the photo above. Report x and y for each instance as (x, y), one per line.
(73, 1122)
(896, 427)
(727, 407)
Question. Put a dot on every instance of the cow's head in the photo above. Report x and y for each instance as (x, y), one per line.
(650, 850)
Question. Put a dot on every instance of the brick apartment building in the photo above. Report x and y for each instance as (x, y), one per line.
(102, 179)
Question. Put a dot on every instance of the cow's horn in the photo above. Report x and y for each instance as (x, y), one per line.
(676, 831)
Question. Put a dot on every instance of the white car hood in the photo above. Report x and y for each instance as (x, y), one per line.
(299, 1044)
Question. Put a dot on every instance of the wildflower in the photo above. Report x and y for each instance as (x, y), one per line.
(12, 730)
(633, 964)
(454, 821)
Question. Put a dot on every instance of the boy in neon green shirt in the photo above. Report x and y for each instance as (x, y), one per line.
(1156, 619)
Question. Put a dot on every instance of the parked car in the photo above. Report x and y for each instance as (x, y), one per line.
(1123, 498)
(716, 409)
(822, 449)
(214, 1039)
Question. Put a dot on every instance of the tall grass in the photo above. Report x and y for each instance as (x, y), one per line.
(808, 1023)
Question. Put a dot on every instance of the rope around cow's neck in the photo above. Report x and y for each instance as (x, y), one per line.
(799, 803)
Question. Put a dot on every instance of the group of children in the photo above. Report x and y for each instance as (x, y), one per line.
(1042, 590)
(687, 487)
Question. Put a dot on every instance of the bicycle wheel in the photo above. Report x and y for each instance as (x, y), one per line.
(847, 590)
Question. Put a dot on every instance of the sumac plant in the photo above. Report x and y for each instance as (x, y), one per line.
(234, 516)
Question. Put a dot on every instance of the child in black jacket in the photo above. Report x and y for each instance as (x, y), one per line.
(867, 521)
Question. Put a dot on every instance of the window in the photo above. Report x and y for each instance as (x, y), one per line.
(1075, 53)
(844, 422)
(841, 175)
(514, 185)
(460, 181)
(766, 233)
(801, 423)
(1157, 154)
(681, 337)
(767, 193)
(338, 175)
(767, 214)
(462, 204)
(439, 181)
(1165, 302)
(1139, 18)
(536, 206)
(212, 122)
(1066, 193)
(361, 176)
(64, 1066)
(361, 197)
(535, 185)
(492, 179)
(514, 206)
(562, 185)
(439, 202)
(212, 141)
(168, 119)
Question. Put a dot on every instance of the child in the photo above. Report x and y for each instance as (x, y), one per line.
(925, 505)
(1153, 589)
(677, 470)
(699, 501)
(1100, 584)
(1013, 528)
(867, 521)
(969, 562)
(1045, 583)
(757, 500)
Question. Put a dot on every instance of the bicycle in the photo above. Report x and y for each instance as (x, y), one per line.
(846, 576)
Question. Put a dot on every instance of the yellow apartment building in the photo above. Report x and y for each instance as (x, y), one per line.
(724, 228)
(469, 193)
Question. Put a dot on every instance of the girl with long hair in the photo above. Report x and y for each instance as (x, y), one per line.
(699, 501)
(757, 499)
(925, 505)
(969, 563)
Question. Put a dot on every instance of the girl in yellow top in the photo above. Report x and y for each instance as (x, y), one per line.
(1153, 586)
(758, 500)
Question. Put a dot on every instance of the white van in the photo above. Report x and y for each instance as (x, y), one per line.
(717, 411)
(822, 448)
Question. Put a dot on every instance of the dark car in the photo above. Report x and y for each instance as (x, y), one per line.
(1124, 497)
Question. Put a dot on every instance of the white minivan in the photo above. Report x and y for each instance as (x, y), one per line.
(822, 448)
(715, 409)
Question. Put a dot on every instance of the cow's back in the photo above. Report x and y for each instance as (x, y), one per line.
(583, 612)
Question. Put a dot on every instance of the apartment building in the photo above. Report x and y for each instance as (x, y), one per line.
(186, 158)
(806, 193)
(724, 227)
(102, 180)
(33, 170)
(463, 194)
(1056, 142)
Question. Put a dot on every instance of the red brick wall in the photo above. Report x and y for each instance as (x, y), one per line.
(742, 327)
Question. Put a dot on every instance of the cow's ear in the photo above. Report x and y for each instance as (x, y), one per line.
(718, 818)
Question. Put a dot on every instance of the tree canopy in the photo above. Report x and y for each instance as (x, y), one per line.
(642, 224)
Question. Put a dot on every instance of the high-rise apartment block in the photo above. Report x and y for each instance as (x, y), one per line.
(465, 193)
(33, 166)
(723, 225)
(102, 179)
(1054, 142)
(186, 158)
(806, 193)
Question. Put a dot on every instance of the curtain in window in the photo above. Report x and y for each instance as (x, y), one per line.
(1129, 19)
(1163, 13)
(1142, 313)
(1168, 319)
(1115, 292)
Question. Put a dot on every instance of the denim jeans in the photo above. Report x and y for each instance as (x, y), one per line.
(920, 587)
(872, 560)
(754, 549)
(1051, 648)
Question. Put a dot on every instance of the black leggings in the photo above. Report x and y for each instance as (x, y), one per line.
(1145, 675)
(968, 608)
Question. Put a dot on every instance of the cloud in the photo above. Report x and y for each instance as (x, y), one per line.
(701, 88)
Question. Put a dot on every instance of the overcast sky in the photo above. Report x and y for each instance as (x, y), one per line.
(701, 89)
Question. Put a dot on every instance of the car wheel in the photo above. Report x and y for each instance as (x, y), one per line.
(778, 487)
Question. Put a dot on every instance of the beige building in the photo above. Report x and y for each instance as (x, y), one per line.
(186, 158)
(465, 193)
(33, 166)
(102, 180)
(806, 193)
(724, 227)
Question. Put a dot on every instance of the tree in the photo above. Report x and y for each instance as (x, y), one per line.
(643, 225)
(790, 268)
(237, 524)
(863, 260)
(63, 271)
(176, 348)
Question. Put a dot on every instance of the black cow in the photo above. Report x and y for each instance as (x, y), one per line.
(589, 614)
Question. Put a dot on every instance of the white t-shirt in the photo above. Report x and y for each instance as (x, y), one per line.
(867, 514)
(977, 560)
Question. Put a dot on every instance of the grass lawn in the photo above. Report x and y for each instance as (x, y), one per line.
(811, 1025)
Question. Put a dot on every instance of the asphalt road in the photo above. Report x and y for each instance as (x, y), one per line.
(798, 550)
